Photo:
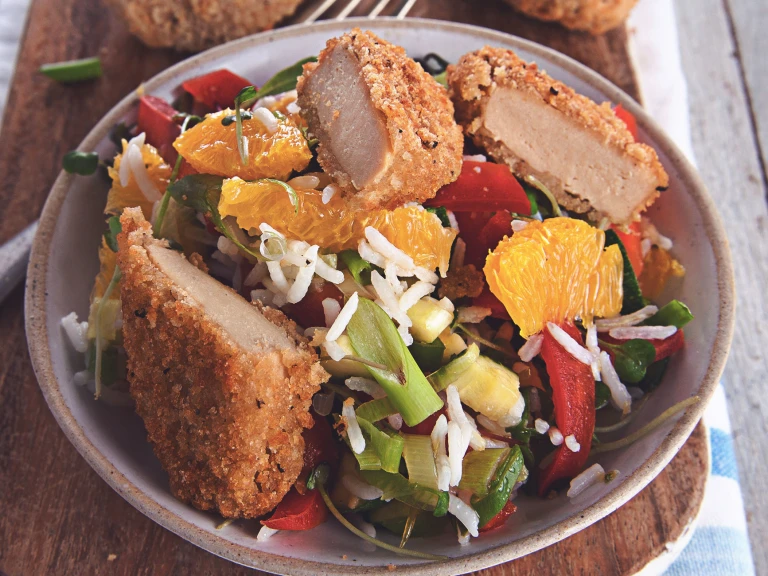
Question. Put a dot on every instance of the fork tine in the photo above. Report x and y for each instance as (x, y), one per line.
(378, 8)
(319, 11)
(405, 9)
(348, 9)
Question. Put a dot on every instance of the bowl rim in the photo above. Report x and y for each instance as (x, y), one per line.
(38, 337)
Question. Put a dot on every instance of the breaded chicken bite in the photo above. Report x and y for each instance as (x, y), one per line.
(540, 127)
(594, 16)
(223, 386)
(385, 127)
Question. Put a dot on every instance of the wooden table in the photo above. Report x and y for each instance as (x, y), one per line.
(58, 516)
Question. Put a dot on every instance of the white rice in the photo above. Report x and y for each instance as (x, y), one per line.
(333, 349)
(277, 276)
(300, 286)
(515, 414)
(651, 232)
(342, 320)
(390, 275)
(77, 332)
(365, 385)
(396, 421)
(355, 435)
(226, 246)
(442, 463)
(531, 348)
(388, 250)
(141, 175)
(265, 533)
(452, 220)
(473, 314)
(263, 296)
(426, 275)
(542, 426)
(459, 253)
(589, 477)
(491, 443)
(82, 378)
(464, 513)
(279, 300)
(571, 443)
(476, 158)
(645, 246)
(293, 108)
(571, 346)
(458, 442)
(415, 293)
(594, 349)
(446, 304)
(328, 193)
(267, 120)
(518, 225)
(492, 426)
(620, 396)
(256, 275)
(605, 324)
(331, 309)
(360, 488)
(643, 332)
(555, 436)
(329, 273)
(368, 254)
(307, 181)
(388, 297)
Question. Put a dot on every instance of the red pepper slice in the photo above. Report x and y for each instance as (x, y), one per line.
(631, 241)
(628, 118)
(573, 394)
(320, 445)
(309, 311)
(156, 121)
(488, 300)
(298, 512)
(664, 348)
(500, 518)
(483, 187)
(216, 89)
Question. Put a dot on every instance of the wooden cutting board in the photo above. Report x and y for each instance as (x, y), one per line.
(58, 516)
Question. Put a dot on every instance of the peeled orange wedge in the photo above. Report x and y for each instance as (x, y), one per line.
(333, 226)
(553, 271)
(130, 196)
(210, 147)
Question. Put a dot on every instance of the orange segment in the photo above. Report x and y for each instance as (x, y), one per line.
(130, 196)
(553, 271)
(108, 261)
(658, 268)
(333, 226)
(211, 148)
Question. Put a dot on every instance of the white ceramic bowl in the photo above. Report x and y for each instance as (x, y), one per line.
(112, 440)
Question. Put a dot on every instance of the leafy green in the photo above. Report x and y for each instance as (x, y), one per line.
(114, 228)
(397, 487)
(498, 493)
(375, 338)
(119, 132)
(530, 191)
(228, 120)
(283, 81)
(376, 409)
(673, 314)
(631, 359)
(73, 70)
(602, 395)
(83, 163)
(633, 297)
(429, 357)
(441, 213)
(479, 469)
(359, 268)
(388, 447)
(202, 192)
(420, 460)
(654, 375)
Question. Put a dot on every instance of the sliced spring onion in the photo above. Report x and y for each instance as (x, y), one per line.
(388, 447)
(397, 487)
(376, 410)
(420, 460)
(374, 337)
(82, 163)
(479, 468)
(368, 459)
(429, 356)
(73, 70)
(501, 487)
(441, 379)
(673, 314)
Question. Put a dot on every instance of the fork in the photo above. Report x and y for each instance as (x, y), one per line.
(14, 254)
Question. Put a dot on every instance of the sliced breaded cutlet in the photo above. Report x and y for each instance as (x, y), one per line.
(223, 386)
(540, 127)
(385, 127)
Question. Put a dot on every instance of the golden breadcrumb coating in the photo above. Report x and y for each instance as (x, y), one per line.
(478, 74)
(225, 422)
(462, 282)
(425, 143)
(199, 24)
(594, 16)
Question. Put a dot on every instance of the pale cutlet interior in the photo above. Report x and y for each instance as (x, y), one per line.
(355, 131)
(555, 147)
(240, 320)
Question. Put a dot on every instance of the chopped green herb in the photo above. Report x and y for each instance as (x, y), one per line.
(83, 163)
(228, 120)
(530, 191)
(441, 213)
(631, 359)
(283, 81)
(633, 297)
(429, 357)
(498, 494)
(654, 375)
(73, 70)
(602, 395)
(359, 268)
(673, 314)
(114, 228)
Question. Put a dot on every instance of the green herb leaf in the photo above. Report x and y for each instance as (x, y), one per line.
(429, 357)
(654, 375)
(228, 120)
(633, 297)
(673, 314)
(73, 70)
(110, 236)
(374, 337)
(359, 268)
(521, 432)
(602, 395)
(283, 81)
(441, 213)
(501, 487)
(631, 359)
(530, 191)
(83, 163)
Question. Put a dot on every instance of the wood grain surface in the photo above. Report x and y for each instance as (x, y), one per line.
(723, 45)
(58, 517)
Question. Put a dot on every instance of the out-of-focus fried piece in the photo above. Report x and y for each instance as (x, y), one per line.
(223, 387)
(385, 127)
(594, 16)
(540, 127)
(461, 282)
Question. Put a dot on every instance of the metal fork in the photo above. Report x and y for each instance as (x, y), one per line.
(14, 254)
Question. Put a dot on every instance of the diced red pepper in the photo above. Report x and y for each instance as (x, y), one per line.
(320, 445)
(216, 89)
(488, 300)
(156, 121)
(628, 119)
(298, 511)
(425, 426)
(573, 394)
(484, 187)
(664, 348)
(309, 311)
(500, 518)
(631, 241)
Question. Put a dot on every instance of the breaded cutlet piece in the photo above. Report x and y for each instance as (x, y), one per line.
(199, 24)
(540, 127)
(385, 127)
(223, 386)
(594, 16)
